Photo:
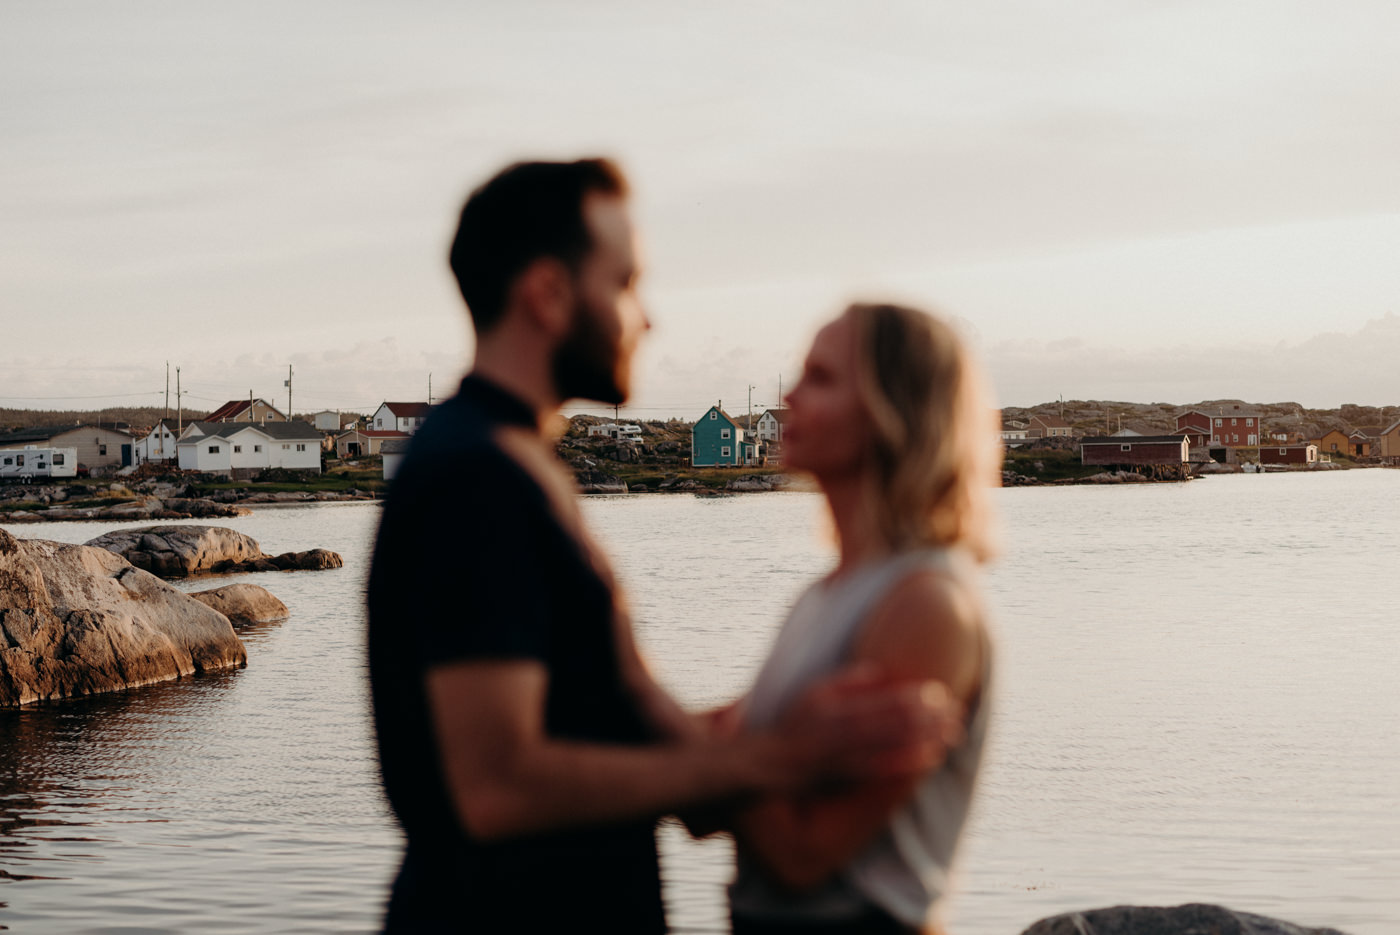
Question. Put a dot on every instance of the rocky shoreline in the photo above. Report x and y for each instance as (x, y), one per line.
(47, 503)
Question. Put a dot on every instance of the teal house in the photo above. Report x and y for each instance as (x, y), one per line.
(716, 440)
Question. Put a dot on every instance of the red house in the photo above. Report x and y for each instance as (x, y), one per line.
(1235, 428)
(1135, 450)
(1288, 454)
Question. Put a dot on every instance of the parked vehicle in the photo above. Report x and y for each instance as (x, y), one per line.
(31, 461)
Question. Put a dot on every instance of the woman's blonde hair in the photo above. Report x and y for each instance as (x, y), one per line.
(935, 452)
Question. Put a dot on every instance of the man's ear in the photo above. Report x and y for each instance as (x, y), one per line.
(545, 291)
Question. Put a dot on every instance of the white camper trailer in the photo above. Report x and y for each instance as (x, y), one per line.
(30, 462)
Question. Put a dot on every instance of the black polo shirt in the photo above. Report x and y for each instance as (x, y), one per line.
(472, 563)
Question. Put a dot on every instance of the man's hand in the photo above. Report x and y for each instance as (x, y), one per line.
(860, 723)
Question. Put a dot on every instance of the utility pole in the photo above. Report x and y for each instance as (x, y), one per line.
(179, 407)
(167, 389)
(289, 392)
(250, 405)
(751, 389)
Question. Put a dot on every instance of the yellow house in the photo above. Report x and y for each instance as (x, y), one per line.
(1333, 443)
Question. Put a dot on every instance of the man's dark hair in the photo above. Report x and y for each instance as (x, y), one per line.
(530, 210)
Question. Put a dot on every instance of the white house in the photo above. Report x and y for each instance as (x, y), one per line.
(159, 443)
(399, 417)
(235, 448)
(770, 425)
(393, 451)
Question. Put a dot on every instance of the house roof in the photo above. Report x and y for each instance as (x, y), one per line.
(407, 410)
(280, 431)
(1131, 439)
(232, 409)
(1051, 421)
(373, 433)
(394, 446)
(780, 415)
(42, 433)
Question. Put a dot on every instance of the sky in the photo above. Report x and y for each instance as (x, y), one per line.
(1161, 202)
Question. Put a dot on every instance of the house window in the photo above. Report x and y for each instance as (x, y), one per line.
(1248, 421)
(1283, 451)
(724, 433)
(1253, 439)
(301, 447)
(213, 449)
(379, 423)
(101, 449)
(1125, 447)
(286, 447)
(1219, 422)
(1235, 439)
(724, 452)
(1234, 421)
(257, 448)
(237, 449)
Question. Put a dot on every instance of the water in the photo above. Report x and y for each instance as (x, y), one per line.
(1197, 703)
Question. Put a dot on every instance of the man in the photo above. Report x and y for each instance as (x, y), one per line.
(523, 745)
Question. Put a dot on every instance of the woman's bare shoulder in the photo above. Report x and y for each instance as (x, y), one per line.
(929, 625)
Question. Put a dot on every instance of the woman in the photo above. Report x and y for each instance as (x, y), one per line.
(889, 419)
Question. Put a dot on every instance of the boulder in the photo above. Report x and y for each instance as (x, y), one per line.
(200, 507)
(1191, 919)
(244, 604)
(179, 551)
(76, 620)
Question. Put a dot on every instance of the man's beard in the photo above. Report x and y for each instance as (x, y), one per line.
(586, 362)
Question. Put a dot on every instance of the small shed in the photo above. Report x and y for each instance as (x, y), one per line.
(1134, 451)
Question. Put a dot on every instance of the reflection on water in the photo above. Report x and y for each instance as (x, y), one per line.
(1197, 703)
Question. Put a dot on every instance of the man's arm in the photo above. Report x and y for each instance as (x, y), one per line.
(507, 777)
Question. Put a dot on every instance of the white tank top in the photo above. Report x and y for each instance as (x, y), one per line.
(904, 871)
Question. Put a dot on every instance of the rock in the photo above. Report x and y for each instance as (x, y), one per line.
(318, 560)
(598, 482)
(76, 620)
(244, 604)
(179, 551)
(201, 507)
(1191, 919)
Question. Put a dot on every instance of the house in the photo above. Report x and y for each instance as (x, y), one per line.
(1359, 444)
(358, 443)
(1048, 426)
(1386, 444)
(770, 425)
(1237, 428)
(246, 410)
(1195, 425)
(241, 449)
(1013, 432)
(399, 417)
(99, 447)
(159, 443)
(716, 440)
(1288, 454)
(1334, 442)
(393, 451)
(1135, 450)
